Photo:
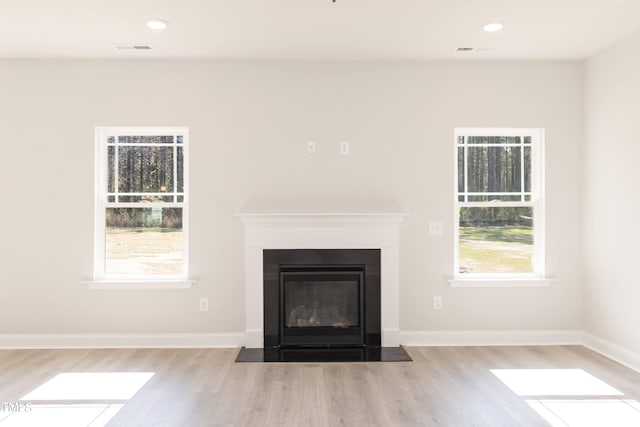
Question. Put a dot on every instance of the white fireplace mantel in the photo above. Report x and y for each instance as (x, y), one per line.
(321, 225)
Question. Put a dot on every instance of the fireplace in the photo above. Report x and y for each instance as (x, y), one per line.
(303, 224)
(321, 298)
(300, 245)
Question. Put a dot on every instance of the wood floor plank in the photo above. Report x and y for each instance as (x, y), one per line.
(443, 386)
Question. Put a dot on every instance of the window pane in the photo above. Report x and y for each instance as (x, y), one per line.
(143, 241)
(146, 198)
(180, 167)
(494, 169)
(477, 169)
(527, 169)
(494, 197)
(111, 172)
(145, 169)
(460, 170)
(493, 140)
(496, 240)
(133, 139)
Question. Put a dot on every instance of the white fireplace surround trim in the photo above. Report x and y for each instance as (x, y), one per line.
(322, 230)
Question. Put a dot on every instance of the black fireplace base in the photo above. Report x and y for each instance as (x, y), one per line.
(320, 355)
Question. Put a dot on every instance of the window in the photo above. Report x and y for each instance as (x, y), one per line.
(141, 204)
(499, 203)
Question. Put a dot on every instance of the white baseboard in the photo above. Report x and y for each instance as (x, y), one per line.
(226, 340)
(39, 341)
(490, 338)
(613, 351)
(406, 338)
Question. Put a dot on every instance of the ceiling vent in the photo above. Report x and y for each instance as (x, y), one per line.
(132, 47)
(472, 49)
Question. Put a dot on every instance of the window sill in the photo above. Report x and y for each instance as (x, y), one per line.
(140, 284)
(529, 282)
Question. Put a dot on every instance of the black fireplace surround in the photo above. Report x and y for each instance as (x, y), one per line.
(321, 298)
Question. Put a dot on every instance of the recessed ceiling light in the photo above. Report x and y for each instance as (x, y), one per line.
(493, 27)
(157, 24)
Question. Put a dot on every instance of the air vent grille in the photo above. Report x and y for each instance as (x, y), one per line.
(472, 49)
(132, 47)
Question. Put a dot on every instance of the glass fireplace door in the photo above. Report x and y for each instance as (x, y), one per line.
(321, 307)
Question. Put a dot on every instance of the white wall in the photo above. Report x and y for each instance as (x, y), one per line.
(612, 201)
(249, 123)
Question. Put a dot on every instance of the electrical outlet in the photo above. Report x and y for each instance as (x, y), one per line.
(204, 304)
(437, 303)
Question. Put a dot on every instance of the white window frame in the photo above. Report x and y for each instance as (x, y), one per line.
(102, 280)
(537, 276)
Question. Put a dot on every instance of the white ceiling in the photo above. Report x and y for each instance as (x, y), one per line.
(315, 29)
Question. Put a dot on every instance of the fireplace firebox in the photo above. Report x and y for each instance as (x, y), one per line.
(321, 306)
(321, 298)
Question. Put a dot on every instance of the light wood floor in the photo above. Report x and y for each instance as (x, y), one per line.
(443, 386)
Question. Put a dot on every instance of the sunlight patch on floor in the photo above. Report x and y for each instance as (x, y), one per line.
(554, 382)
(571, 397)
(587, 413)
(90, 386)
(76, 399)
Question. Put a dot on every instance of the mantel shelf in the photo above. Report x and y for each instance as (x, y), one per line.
(335, 218)
(297, 212)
